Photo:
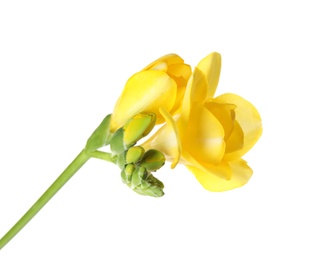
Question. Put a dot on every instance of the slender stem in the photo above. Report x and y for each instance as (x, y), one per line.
(103, 156)
(76, 164)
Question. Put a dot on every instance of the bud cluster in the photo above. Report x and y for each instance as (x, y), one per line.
(137, 164)
(136, 173)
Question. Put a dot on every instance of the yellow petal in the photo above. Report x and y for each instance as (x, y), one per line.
(166, 140)
(196, 91)
(180, 73)
(199, 88)
(180, 70)
(225, 114)
(204, 136)
(248, 119)
(211, 67)
(222, 170)
(161, 65)
(235, 141)
(241, 173)
(145, 91)
(164, 61)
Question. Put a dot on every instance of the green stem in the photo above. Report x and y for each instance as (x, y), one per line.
(103, 156)
(76, 164)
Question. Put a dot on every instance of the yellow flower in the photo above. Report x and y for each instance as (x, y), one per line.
(160, 84)
(210, 134)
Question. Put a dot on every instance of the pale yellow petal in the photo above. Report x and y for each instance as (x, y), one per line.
(175, 139)
(211, 67)
(204, 136)
(166, 140)
(249, 120)
(241, 173)
(145, 91)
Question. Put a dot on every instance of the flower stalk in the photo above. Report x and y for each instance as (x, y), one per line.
(69, 172)
(124, 139)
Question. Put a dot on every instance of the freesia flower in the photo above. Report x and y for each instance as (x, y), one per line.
(161, 84)
(207, 134)
(210, 134)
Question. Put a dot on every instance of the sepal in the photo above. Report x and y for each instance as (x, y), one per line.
(101, 136)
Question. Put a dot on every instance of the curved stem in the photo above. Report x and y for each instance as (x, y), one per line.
(76, 164)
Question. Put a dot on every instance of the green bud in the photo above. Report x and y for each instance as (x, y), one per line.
(128, 171)
(135, 154)
(138, 174)
(155, 188)
(154, 191)
(154, 181)
(121, 160)
(138, 127)
(124, 177)
(153, 160)
(101, 135)
(145, 183)
(117, 143)
(139, 191)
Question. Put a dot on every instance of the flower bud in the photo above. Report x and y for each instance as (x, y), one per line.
(144, 183)
(127, 172)
(154, 181)
(138, 174)
(117, 144)
(138, 127)
(153, 160)
(153, 191)
(150, 186)
(121, 160)
(135, 154)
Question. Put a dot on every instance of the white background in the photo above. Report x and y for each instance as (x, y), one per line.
(63, 64)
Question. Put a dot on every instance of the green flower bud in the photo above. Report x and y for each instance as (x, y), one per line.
(138, 127)
(126, 173)
(150, 190)
(144, 183)
(154, 181)
(121, 160)
(153, 160)
(135, 154)
(138, 174)
(155, 188)
(153, 191)
(117, 143)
